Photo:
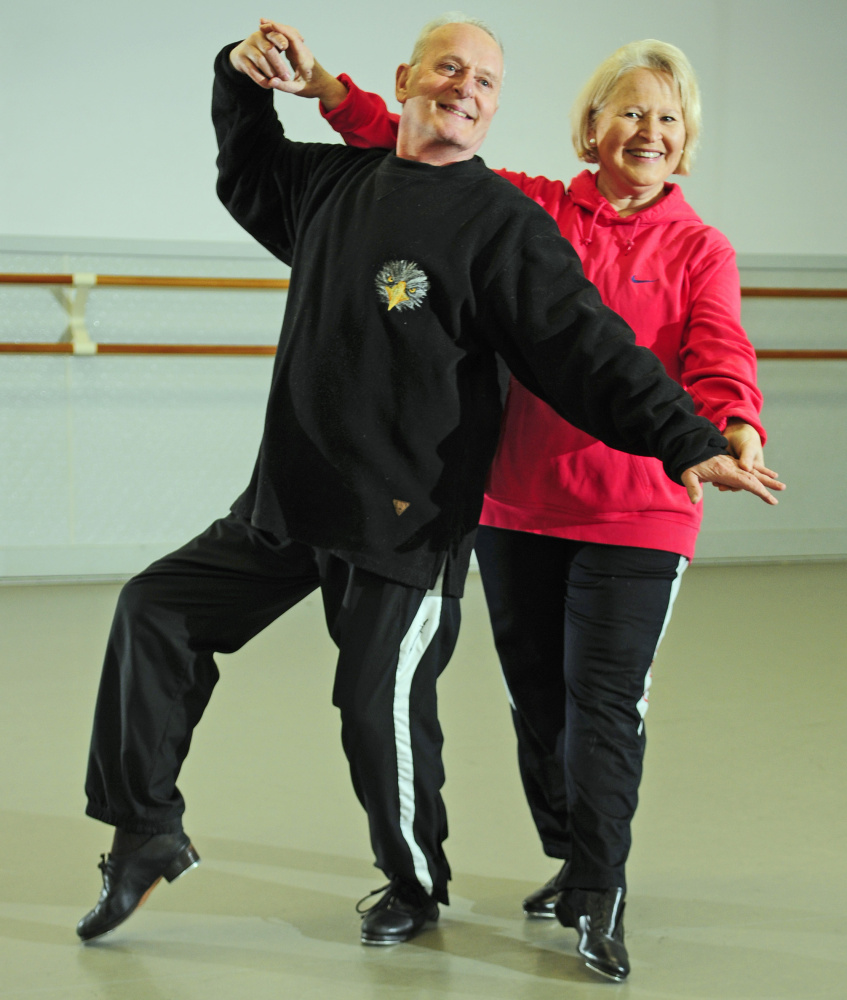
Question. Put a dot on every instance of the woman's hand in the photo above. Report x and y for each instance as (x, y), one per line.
(744, 444)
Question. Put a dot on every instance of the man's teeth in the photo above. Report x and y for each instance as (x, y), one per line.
(457, 112)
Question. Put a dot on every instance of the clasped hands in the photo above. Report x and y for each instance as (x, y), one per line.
(743, 468)
(277, 58)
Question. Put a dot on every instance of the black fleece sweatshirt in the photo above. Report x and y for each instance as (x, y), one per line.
(407, 282)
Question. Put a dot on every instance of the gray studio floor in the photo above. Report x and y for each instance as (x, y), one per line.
(738, 878)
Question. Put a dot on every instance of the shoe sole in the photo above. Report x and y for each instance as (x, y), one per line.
(382, 942)
(602, 972)
(539, 914)
(182, 863)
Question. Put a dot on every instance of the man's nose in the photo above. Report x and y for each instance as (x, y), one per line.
(463, 83)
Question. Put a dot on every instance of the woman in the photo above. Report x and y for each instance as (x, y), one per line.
(581, 547)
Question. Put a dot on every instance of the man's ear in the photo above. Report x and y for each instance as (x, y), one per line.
(401, 82)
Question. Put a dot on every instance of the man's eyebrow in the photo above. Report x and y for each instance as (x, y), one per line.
(484, 70)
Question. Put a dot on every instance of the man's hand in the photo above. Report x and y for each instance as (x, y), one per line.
(745, 445)
(726, 472)
(260, 56)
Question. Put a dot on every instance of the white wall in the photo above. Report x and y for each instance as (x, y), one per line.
(105, 116)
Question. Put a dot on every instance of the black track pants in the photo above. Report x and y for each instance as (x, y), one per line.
(213, 595)
(576, 627)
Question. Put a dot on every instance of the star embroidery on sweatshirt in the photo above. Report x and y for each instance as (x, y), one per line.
(400, 506)
(401, 284)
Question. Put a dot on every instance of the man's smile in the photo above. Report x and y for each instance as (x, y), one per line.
(458, 112)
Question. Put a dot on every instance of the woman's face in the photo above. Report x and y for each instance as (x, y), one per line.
(639, 135)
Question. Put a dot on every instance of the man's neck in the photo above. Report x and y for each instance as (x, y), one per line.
(436, 154)
(434, 157)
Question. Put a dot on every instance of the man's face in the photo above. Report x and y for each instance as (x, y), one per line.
(450, 96)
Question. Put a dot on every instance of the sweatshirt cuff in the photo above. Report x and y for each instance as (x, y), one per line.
(343, 118)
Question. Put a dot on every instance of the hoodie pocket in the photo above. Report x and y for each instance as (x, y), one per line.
(597, 480)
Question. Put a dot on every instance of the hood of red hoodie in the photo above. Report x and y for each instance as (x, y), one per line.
(672, 208)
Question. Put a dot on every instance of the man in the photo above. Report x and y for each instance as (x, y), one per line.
(411, 273)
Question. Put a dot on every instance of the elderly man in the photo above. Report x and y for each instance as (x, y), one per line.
(411, 273)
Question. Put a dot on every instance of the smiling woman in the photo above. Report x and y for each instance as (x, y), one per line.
(638, 117)
(640, 138)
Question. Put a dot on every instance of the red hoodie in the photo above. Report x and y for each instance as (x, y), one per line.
(675, 281)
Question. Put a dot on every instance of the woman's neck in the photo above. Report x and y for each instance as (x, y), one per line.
(627, 201)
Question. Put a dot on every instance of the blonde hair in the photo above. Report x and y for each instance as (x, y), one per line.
(452, 17)
(646, 54)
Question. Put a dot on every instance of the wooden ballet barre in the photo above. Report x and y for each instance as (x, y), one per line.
(72, 291)
(801, 355)
(141, 281)
(154, 281)
(196, 350)
(268, 350)
(793, 293)
(76, 339)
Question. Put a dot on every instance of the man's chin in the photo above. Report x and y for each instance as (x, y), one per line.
(462, 134)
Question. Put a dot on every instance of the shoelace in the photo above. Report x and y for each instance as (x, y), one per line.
(375, 892)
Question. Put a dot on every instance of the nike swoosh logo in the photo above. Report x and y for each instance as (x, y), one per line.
(643, 281)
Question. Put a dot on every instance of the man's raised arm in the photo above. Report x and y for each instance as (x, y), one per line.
(262, 176)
